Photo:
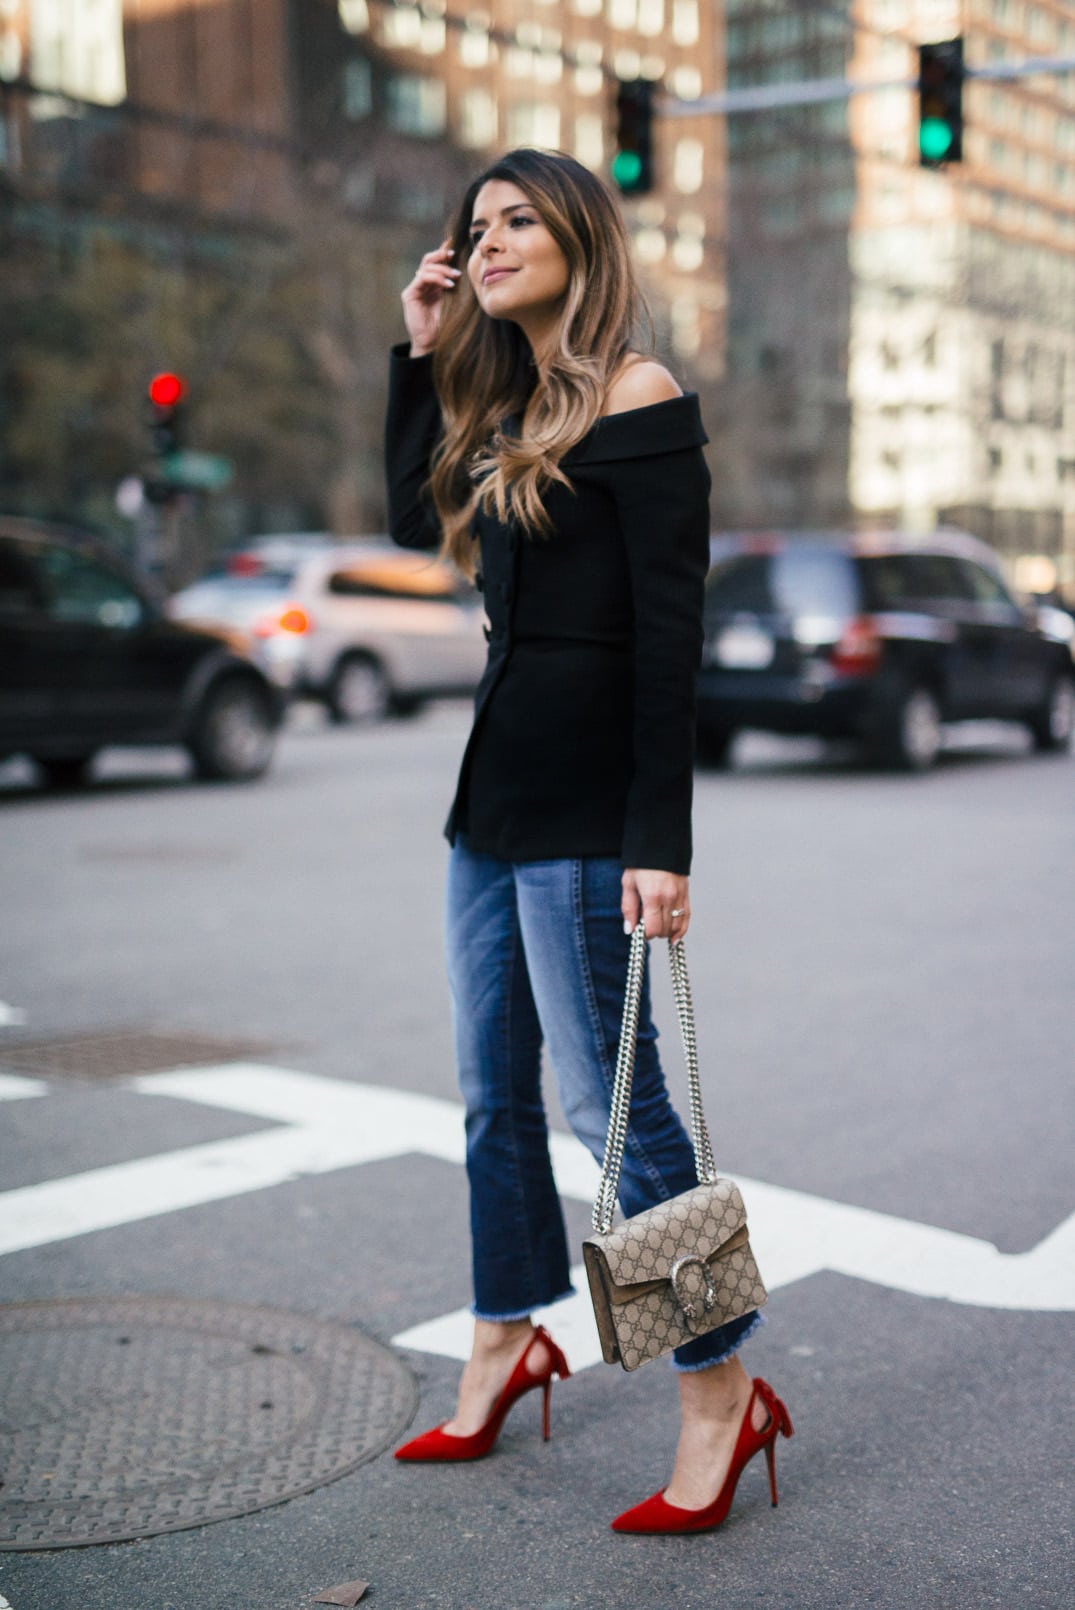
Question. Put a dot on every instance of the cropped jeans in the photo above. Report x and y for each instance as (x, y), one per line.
(537, 952)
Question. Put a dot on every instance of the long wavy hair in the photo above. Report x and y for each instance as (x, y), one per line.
(485, 370)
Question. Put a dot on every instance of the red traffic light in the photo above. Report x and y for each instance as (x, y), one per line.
(165, 390)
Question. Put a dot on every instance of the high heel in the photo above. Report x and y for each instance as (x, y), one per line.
(656, 1515)
(439, 1446)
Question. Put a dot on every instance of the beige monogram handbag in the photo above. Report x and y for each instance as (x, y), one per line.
(682, 1268)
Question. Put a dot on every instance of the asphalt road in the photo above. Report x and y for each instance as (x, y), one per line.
(883, 983)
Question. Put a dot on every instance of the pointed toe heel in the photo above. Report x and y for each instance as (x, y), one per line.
(657, 1516)
(440, 1447)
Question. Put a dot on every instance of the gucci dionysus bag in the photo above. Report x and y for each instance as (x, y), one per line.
(682, 1268)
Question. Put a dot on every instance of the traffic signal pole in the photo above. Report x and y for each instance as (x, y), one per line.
(812, 92)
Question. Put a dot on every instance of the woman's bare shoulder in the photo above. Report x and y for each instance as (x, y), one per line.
(640, 383)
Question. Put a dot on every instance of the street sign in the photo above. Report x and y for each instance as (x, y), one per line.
(207, 472)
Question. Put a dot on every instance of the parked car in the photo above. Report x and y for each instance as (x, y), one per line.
(880, 638)
(366, 627)
(88, 658)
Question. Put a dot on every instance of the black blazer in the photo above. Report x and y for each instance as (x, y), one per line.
(583, 736)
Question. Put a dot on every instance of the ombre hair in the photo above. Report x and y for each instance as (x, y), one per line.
(484, 369)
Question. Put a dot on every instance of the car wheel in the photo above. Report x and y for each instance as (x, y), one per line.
(235, 733)
(909, 733)
(1053, 725)
(714, 745)
(360, 691)
(66, 771)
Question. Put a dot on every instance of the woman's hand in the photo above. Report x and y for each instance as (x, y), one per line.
(423, 298)
(661, 899)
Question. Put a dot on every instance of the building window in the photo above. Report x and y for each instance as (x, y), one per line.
(433, 36)
(685, 22)
(477, 118)
(590, 139)
(355, 16)
(650, 246)
(836, 206)
(650, 18)
(781, 216)
(687, 83)
(78, 49)
(688, 166)
(688, 249)
(533, 123)
(416, 105)
(686, 326)
(356, 97)
(474, 45)
(10, 67)
(549, 64)
(401, 27)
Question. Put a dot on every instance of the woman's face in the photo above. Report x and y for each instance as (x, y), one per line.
(516, 267)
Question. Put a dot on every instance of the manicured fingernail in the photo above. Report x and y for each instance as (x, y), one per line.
(628, 929)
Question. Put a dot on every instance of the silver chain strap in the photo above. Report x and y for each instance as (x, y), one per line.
(604, 1207)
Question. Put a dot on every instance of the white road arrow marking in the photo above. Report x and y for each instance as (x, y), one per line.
(328, 1124)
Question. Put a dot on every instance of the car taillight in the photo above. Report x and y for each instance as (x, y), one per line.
(295, 620)
(292, 619)
(858, 652)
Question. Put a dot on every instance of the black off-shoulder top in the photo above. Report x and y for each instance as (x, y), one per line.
(583, 735)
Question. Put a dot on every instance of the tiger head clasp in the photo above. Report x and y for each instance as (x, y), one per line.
(688, 1305)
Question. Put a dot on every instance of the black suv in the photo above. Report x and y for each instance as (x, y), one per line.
(880, 638)
(87, 659)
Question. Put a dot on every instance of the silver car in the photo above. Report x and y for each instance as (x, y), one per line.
(365, 627)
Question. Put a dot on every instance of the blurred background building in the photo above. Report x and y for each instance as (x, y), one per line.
(236, 190)
(902, 341)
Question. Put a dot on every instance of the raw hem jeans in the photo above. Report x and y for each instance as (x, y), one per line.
(536, 951)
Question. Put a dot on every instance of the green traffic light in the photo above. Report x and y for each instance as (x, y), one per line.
(626, 169)
(934, 138)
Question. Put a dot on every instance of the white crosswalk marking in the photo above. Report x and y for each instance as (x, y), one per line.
(329, 1124)
(13, 1087)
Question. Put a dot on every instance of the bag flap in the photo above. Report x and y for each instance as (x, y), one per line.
(699, 1223)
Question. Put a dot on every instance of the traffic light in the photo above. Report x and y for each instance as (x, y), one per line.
(632, 165)
(166, 393)
(940, 103)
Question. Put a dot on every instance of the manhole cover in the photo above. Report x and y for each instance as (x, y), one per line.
(125, 1417)
(120, 1053)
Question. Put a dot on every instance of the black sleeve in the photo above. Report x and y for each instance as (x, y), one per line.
(663, 506)
(412, 425)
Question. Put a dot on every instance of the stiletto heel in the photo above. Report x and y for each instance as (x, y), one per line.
(770, 1459)
(440, 1447)
(657, 1515)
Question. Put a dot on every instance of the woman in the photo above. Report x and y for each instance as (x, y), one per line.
(530, 438)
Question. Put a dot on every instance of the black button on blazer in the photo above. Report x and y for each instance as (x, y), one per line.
(583, 736)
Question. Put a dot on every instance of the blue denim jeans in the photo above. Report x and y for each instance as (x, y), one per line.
(537, 952)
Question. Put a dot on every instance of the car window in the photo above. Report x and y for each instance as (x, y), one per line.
(983, 586)
(78, 588)
(20, 590)
(243, 571)
(265, 581)
(894, 580)
(807, 581)
(427, 582)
